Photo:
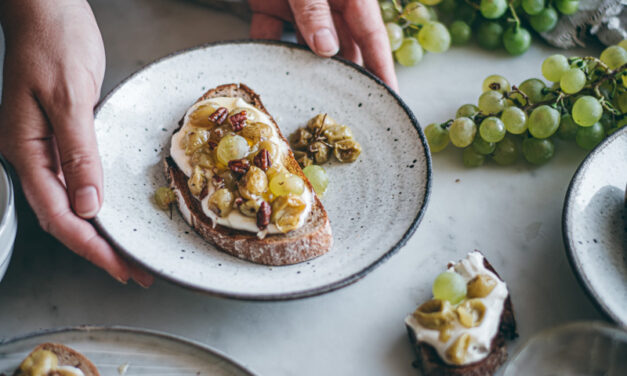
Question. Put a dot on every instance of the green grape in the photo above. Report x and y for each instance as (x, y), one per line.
(623, 44)
(416, 13)
(395, 35)
(515, 120)
(317, 177)
(466, 13)
(622, 102)
(568, 128)
(505, 152)
(467, 110)
(491, 102)
(532, 7)
(434, 37)
(614, 56)
(608, 122)
(544, 121)
(232, 147)
(589, 137)
(533, 88)
(496, 83)
(471, 158)
(388, 11)
(448, 6)
(449, 286)
(493, 9)
(492, 129)
(489, 35)
(554, 66)
(437, 137)
(431, 2)
(409, 53)
(544, 21)
(462, 131)
(516, 40)
(283, 184)
(537, 151)
(482, 146)
(460, 32)
(572, 81)
(587, 111)
(433, 13)
(567, 7)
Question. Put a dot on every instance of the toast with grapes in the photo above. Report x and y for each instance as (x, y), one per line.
(235, 180)
(54, 359)
(463, 329)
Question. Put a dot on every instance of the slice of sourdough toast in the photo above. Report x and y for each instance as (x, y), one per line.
(66, 357)
(430, 363)
(311, 240)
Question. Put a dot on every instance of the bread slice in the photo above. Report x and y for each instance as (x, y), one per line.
(430, 363)
(311, 240)
(67, 357)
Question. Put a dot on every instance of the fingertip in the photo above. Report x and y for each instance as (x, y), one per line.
(325, 42)
(142, 278)
(86, 202)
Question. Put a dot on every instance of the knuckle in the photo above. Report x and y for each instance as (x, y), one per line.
(77, 162)
(315, 10)
(49, 221)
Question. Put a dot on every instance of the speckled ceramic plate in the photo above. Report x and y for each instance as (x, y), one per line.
(122, 351)
(594, 225)
(374, 204)
(8, 218)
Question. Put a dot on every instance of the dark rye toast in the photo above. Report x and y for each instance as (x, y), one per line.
(311, 240)
(430, 363)
(66, 357)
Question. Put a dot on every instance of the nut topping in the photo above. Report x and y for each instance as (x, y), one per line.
(238, 121)
(262, 160)
(239, 166)
(219, 115)
(218, 181)
(263, 215)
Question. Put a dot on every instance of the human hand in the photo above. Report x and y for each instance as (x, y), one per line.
(53, 71)
(352, 27)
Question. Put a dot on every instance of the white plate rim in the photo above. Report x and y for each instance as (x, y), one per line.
(304, 293)
(569, 242)
(127, 330)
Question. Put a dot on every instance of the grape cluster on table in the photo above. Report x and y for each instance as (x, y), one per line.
(585, 102)
(414, 26)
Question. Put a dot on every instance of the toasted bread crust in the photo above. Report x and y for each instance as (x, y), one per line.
(67, 357)
(313, 239)
(430, 363)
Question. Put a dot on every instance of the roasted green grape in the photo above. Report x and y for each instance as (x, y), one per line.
(232, 147)
(449, 286)
(164, 197)
(284, 184)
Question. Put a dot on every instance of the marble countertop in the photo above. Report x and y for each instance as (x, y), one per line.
(512, 214)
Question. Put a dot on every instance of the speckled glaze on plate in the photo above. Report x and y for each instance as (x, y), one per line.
(374, 204)
(595, 228)
(146, 352)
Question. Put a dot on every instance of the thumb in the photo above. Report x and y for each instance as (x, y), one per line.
(314, 21)
(72, 121)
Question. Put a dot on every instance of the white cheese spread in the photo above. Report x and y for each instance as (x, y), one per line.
(484, 333)
(235, 219)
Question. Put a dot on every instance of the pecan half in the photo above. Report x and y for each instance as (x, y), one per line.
(219, 115)
(238, 201)
(212, 144)
(262, 160)
(263, 215)
(239, 166)
(238, 121)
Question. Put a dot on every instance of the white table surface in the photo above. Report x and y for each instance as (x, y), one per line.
(512, 214)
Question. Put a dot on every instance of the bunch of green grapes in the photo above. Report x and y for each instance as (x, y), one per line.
(412, 28)
(504, 23)
(585, 102)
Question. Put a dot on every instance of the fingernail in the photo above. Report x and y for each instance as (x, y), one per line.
(86, 202)
(142, 283)
(325, 42)
(120, 279)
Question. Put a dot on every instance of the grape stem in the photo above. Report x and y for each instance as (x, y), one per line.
(469, 2)
(516, 19)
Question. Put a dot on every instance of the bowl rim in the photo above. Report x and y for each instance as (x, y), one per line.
(569, 245)
(6, 184)
(310, 292)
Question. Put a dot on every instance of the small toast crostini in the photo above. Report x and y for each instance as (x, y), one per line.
(236, 182)
(53, 359)
(463, 329)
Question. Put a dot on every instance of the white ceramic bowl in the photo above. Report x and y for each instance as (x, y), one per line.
(8, 218)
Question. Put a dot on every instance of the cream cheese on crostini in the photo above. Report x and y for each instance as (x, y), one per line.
(484, 333)
(235, 219)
